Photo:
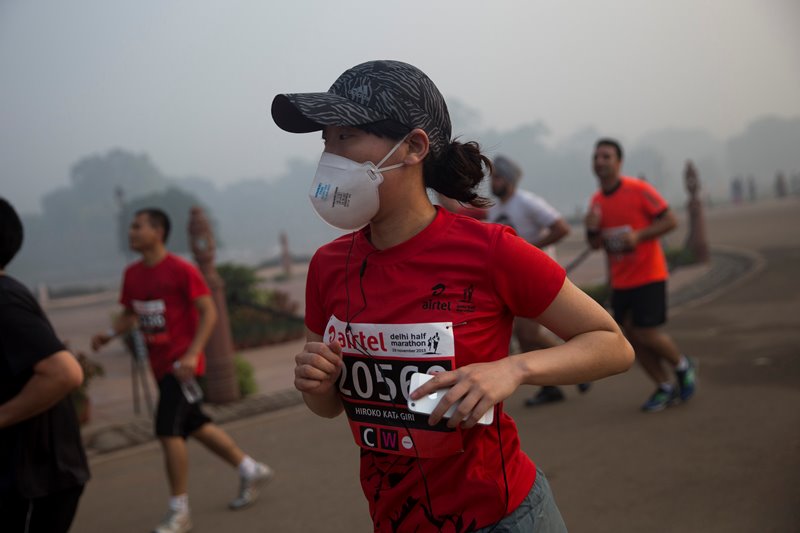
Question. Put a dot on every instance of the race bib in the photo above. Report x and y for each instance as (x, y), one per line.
(614, 239)
(379, 360)
(152, 320)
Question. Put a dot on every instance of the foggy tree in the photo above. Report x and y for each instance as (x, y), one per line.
(135, 172)
(93, 181)
(75, 237)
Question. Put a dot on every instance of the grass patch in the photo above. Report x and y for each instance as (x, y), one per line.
(679, 257)
(245, 377)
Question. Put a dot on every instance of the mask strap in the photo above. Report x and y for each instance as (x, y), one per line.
(393, 150)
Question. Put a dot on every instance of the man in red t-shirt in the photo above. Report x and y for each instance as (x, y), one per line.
(171, 303)
(626, 217)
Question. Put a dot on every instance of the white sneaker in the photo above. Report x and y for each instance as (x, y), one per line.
(175, 522)
(248, 487)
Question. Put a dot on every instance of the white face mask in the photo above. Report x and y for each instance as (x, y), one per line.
(345, 193)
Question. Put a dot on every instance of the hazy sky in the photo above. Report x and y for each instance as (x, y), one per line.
(190, 82)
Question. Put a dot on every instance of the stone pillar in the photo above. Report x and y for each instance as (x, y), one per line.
(221, 383)
(751, 188)
(286, 256)
(737, 190)
(696, 240)
(781, 189)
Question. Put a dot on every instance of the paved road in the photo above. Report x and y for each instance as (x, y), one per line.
(727, 462)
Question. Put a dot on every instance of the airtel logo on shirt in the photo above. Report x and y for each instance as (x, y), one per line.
(464, 304)
(432, 304)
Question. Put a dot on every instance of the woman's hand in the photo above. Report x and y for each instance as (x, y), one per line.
(318, 367)
(478, 388)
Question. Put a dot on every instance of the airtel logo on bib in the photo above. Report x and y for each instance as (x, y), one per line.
(357, 340)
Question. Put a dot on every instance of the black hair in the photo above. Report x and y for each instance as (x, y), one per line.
(158, 219)
(456, 172)
(10, 232)
(612, 143)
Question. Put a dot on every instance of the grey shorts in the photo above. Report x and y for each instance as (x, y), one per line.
(538, 512)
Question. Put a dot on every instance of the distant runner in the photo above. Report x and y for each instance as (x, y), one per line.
(169, 299)
(627, 217)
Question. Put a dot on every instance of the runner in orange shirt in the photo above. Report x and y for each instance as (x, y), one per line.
(627, 217)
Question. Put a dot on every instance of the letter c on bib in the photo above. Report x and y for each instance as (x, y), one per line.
(368, 436)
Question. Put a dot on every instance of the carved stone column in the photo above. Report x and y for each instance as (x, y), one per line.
(781, 188)
(221, 383)
(751, 189)
(696, 240)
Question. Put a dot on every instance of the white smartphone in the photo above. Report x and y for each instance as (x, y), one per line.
(427, 404)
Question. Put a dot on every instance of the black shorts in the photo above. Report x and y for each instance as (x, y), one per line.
(646, 305)
(176, 417)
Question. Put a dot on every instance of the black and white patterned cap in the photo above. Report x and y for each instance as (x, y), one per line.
(369, 92)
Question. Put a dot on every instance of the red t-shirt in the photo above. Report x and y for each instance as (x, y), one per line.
(634, 204)
(445, 298)
(162, 296)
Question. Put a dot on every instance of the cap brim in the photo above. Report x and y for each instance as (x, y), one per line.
(307, 112)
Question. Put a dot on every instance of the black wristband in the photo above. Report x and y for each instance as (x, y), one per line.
(592, 233)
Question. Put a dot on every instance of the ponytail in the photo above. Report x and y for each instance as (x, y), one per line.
(457, 172)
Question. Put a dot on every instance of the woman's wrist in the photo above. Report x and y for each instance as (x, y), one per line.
(520, 368)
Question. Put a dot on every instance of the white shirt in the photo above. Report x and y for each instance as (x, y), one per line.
(527, 213)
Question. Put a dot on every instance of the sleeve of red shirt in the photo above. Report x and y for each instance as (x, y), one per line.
(652, 202)
(314, 319)
(526, 278)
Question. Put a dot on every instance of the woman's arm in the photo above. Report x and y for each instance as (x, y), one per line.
(594, 348)
(594, 345)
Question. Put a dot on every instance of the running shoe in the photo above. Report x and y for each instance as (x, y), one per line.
(545, 395)
(659, 400)
(248, 487)
(686, 380)
(175, 522)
